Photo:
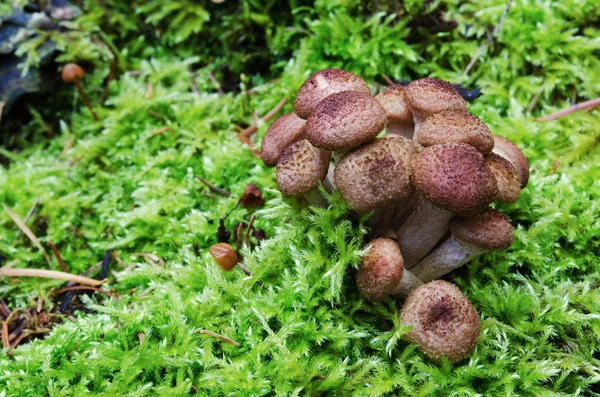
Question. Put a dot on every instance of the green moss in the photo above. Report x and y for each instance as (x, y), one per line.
(302, 327)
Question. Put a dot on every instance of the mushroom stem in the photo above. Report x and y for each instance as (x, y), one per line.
(382, 216)
(315, 198)
(448, 256)
(402, 129)
(328, 182)
(403, 210)
(85, 99)
(406, 285)
(244, 269)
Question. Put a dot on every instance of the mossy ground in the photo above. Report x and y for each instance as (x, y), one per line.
(301, 326)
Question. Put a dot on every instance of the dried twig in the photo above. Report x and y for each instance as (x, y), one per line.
(248, 228)
(152, 257)
(214, 80)
(5, 334)
(535, 100)
(387, 79)
(59, 258)
(49, 274)
(489, 39)
(213, 188)
(160, 130)
(587, 105)
(268, 116)
(221, 337)
(243, 268)
(149, 91)
(250, 145)
(158, 116)
(85, 288)
(29, 215)
(27, 232)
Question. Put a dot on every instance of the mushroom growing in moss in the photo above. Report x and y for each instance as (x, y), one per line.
(74, 74)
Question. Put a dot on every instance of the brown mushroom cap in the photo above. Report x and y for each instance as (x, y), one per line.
(445, 322)
(486, 231)
(72, 72)
(301, 167)
(512, 153)
(393, 101)
(507, 177)
(456, 126)
(455, 177)
(322, 84)
(429, 96)
(284, 131)
(380, 270)
(377, 173)
(345, 120)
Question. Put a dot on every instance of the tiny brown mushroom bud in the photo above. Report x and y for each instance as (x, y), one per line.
(74, 74)
(224, 255)
(284, 131)
(445, 323)
(512, 153)
(399, 118)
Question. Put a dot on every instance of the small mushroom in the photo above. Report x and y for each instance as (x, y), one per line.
(507, 178)
(322, 84)
(74, 74)
(456, 126)
(226, 258)
(471, 236)
(345, 120)
(445, 323)
(381, 272)
(512, 153)
(453, 178)
(399, 118)
(284, 131)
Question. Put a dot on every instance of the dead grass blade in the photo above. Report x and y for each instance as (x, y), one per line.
(11, 272)
(27, 232)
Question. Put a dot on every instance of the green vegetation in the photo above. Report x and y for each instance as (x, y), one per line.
(301, 326)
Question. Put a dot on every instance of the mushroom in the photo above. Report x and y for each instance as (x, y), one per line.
(452, 178)
(284, 131)
(322, 84)
(445, 323)
(429, 96)
(472, 236)
(456, 126)
(300, 168)
(226, 258)
(376, 174)
(345, 120)
(512, 153)
(399, 118)
(74, 74)
(381, 271)
(507, 178)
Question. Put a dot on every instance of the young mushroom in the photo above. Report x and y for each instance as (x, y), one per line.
(453, 178)
(399, 118)
(322, 84)
(74, 74)
(505, 148)
(226, 258)
(284, 131)
(507, 178)
(381, 272)
(445, 323)
(471, 236)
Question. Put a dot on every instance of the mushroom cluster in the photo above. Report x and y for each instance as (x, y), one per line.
(429, 180)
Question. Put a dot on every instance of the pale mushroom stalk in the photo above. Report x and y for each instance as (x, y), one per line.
(399, 118)
(407, 284)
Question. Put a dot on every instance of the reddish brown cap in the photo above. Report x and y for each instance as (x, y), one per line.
(284, 131)
(507, 178)
(393, 101)
(72, 72)
(377, 173)
(456, 126)
(322, 84)
(512, 153)
(380, 270)
(429, 96)
(345, 120)
(445, 323)
(455, 177)
(301, 167)
(486, 231)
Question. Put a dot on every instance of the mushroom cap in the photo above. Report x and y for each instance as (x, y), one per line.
(507, 177)
(345, 120)
(445, 322)
(377, 173)
(380, 270)
(301, 167)
(486, 231)
(456, 126)
(512, 153)
(284, 131)
(429, 96)
(72, 72)
(322, 84)
(455, 177)
(393, 101)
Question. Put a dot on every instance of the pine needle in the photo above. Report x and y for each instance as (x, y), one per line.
(27, 232)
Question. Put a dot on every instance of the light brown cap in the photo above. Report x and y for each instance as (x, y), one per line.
(380, 270)
(486, 231)
(301, 167)
(345, 120)
(456, 126)
(455, 177)
(284, 131)
(377, 173)
(393, 101)
(429, 96)
(507, 177)
(445, 322)
(512, 153)
(72, 72)
(322, 84)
